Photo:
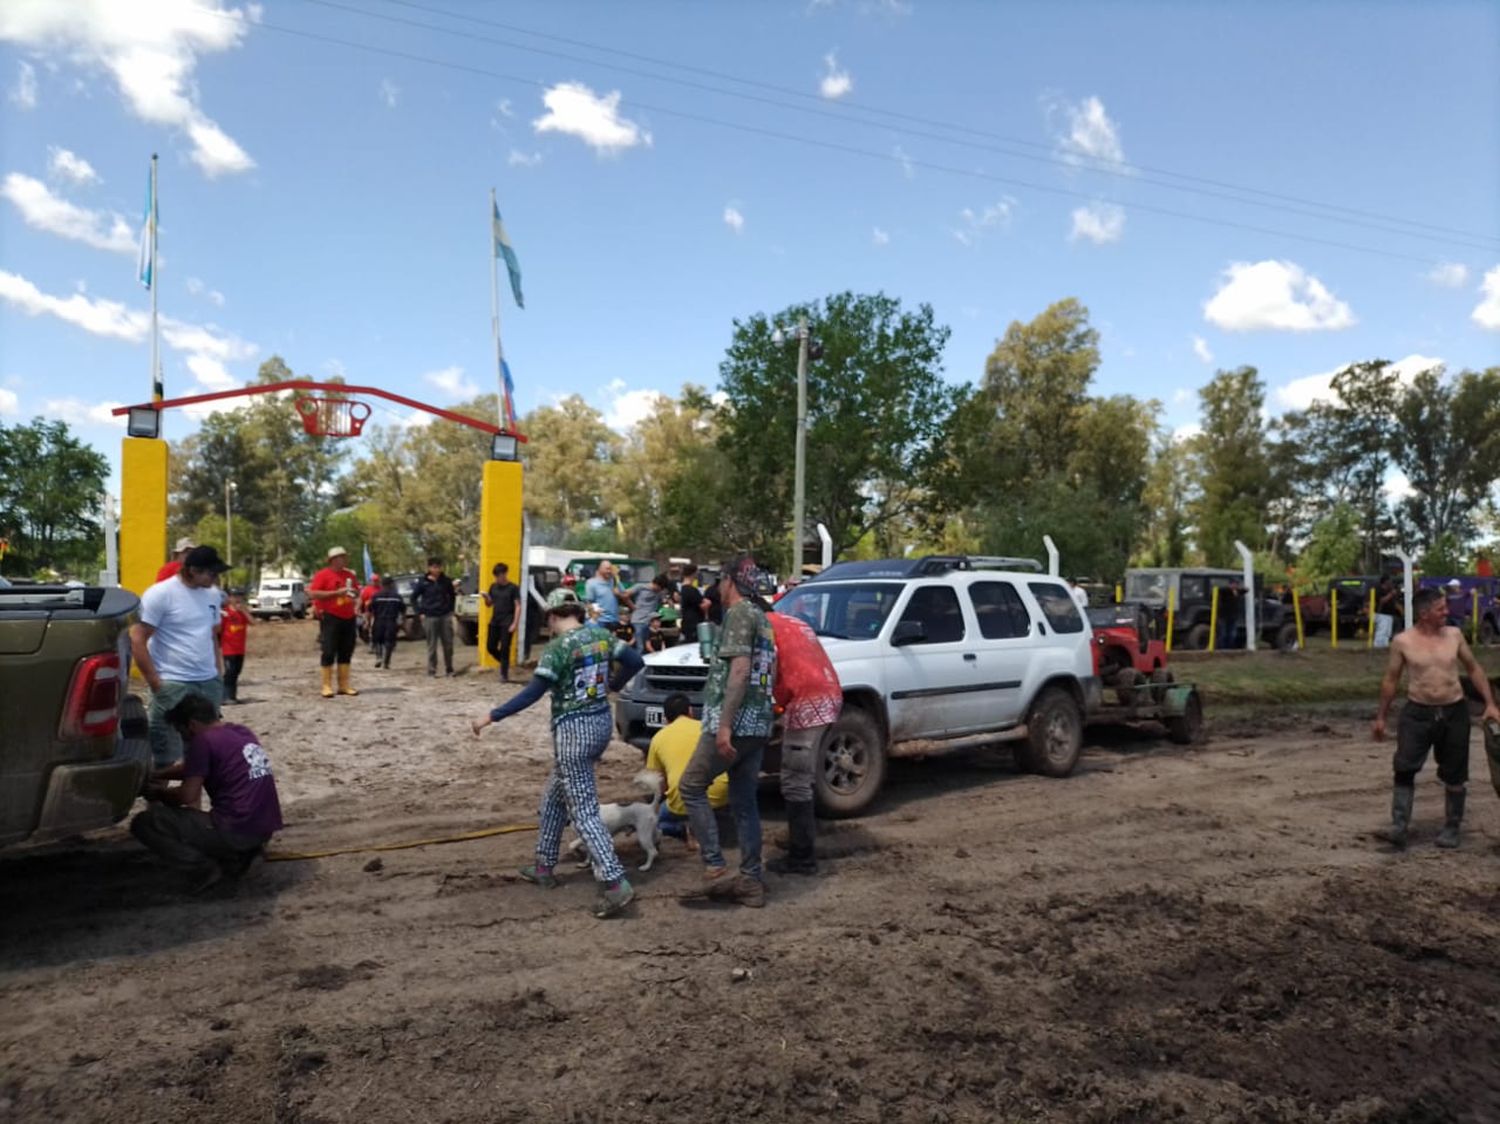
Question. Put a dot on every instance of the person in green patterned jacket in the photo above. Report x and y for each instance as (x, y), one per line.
(574, 670)
(738, 712)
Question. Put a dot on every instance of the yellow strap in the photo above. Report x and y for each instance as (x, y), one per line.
(483, 833)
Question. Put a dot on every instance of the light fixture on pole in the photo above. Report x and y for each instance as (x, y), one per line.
(807, 348)
(230, 487)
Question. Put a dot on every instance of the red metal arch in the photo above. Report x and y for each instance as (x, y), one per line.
(330, 387)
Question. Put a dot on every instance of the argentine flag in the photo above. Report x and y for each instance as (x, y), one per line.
(503, 250)
(147, 260)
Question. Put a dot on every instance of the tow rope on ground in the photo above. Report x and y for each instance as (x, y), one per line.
(482, 833)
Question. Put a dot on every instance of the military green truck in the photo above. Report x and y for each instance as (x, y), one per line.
(73, 746)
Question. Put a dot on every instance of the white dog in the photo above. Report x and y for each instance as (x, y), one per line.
(639, 818)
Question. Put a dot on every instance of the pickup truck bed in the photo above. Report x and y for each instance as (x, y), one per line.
(73, 746)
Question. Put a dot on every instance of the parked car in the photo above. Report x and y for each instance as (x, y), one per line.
(75, 750)
(928, 650)
(411, 628)
(279, 597)
(1461, 604)
(1191, 590)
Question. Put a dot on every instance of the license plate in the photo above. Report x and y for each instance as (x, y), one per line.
(654, 716)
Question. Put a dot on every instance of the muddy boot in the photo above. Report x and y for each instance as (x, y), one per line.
(1402, 796)
(801, 825)
(1453, 807)
(344, 688)
(327, 682)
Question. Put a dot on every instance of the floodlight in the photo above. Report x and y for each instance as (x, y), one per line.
(143, 421)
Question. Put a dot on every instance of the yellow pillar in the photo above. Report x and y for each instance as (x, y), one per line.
(143, 511)
(499, 537)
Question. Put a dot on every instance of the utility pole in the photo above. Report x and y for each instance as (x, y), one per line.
(229, 487)
(800, 477)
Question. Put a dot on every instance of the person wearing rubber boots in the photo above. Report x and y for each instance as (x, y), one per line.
(808, 692)
(574, 669)
(737, 719)
(1435, 716)
(336, 589)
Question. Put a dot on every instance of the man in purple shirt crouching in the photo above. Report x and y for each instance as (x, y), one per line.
(227, 761)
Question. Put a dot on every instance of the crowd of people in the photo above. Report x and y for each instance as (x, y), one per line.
(189, 646)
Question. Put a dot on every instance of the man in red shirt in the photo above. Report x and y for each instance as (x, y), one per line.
(232, 625)
(366, 595)
(336, 589)
(808, 691)
(179, 552)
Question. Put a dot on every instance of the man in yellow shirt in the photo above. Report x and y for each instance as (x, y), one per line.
(671, 750)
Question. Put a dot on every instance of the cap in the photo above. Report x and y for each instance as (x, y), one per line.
(184, 543)
(747, 577)
(335, 551)
(204, 558)
(1454, 583)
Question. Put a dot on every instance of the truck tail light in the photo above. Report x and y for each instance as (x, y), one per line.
(93, 704)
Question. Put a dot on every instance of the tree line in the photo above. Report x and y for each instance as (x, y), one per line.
(900, 458)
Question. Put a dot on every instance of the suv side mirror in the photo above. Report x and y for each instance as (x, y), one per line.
(908, 632)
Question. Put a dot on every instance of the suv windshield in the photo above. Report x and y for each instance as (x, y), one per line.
(846, 611)
(1150, 588)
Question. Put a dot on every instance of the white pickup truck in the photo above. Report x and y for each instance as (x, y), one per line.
(927, 650)
(280, 597)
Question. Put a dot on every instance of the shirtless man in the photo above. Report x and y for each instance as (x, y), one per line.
(1435, 716)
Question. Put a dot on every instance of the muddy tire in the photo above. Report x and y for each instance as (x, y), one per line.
(1286, 637)
(1127, 687)
(1197, 638)
(1187, 729)
(1054, 736)
(851, 765)
(1161, 679)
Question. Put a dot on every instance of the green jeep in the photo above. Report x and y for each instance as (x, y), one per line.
(73, 745)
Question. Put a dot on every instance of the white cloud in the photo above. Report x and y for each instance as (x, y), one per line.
(575, 110)
(390, 93)
(65, 165)
(1200, 349)
(1275, 296)
(45, 211)
(880, 237)
(519, 159)
(628, 408)
(151, 55)
(1187, 432)
(504, 108)
(835, 83)
(733, 219)
(451, 381)
(907, 168)
(197, 288)
(994, 216)
(1088, 136)
(1397, 486)
(203, 344)
(1100, 223)
(10, 403)
(211, 373)
(1449, 274)
(23, 93)
(1301, 393)
(1487, 312)
(75, 411)
(417, 419)
(1181, 396)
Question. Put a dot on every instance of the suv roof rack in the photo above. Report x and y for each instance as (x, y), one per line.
(928, 564)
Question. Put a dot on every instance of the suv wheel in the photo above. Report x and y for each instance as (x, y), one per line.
(851, 765)
(1054, 733)
(1197, 638)
(1286, 637)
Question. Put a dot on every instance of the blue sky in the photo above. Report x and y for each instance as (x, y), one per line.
(329, 204)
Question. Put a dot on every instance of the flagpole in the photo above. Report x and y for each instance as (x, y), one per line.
(495, 315)
(157, 391)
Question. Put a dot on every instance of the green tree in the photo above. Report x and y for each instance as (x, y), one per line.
(51, 485)
(877, 411)
(1446, 439)
(1233, 466)
(1166, 498)
(657, 514)
(1333, 549)
(569, 458)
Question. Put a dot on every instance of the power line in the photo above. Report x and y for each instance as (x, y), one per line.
(834, 146)
(1122, 170)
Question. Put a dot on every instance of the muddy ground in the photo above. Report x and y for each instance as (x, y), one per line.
(1200, 935)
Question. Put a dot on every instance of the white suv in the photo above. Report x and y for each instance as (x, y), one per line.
(279, 597)
(930, 649)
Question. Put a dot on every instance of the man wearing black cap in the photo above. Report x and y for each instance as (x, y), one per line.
(176, 645)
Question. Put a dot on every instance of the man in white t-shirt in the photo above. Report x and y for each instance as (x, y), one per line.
(176, 645)
(1080, 595)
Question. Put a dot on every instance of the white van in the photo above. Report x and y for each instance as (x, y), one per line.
(279, 597)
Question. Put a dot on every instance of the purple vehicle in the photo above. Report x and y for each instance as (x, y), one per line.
(1461, 596)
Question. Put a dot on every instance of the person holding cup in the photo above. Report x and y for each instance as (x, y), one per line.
(336, 589)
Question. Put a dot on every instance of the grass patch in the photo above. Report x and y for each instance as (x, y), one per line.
(1318, 675)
